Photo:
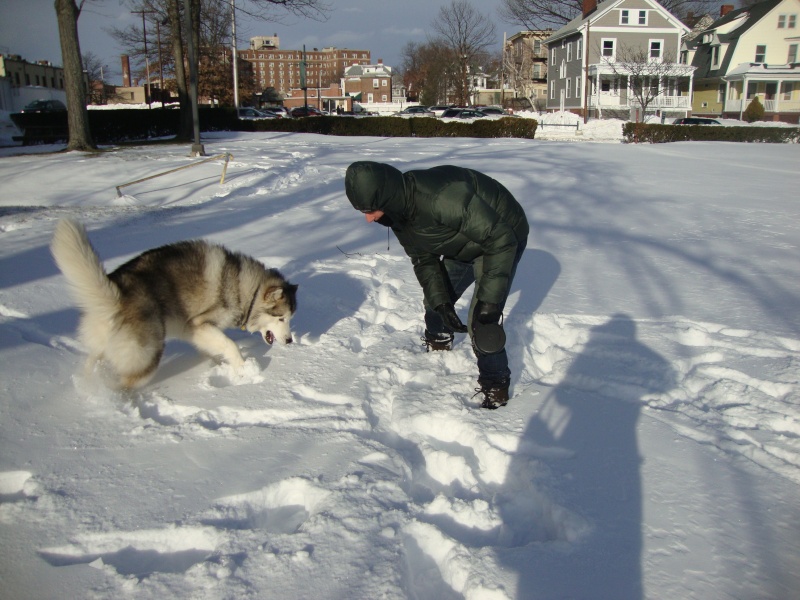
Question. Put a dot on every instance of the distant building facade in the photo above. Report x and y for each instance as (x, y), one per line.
(22, 82)
(525, 65)
(281, 69)
(368, 83)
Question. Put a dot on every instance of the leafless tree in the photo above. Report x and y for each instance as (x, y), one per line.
(427, 72)
(80, 137)
(467, 34)
(540, 14)
(645, 75)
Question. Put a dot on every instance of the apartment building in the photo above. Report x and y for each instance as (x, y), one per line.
(22, 82)
(282, 69)
(525, 64)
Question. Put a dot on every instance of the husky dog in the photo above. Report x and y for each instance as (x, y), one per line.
(189, 290)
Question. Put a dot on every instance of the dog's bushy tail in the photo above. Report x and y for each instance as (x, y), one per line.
(80, 264)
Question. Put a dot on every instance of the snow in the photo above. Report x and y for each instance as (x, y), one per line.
(651, 447)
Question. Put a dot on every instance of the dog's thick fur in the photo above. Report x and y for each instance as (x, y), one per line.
(189, 290)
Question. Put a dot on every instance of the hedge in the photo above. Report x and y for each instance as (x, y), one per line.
(638, 133)
(130, 125)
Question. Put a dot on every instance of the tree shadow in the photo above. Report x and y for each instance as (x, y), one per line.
(573, 495)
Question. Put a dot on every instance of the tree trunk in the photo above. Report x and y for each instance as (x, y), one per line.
(80, 137)
(185, 131)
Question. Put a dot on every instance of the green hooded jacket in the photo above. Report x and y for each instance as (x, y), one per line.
(448, 212)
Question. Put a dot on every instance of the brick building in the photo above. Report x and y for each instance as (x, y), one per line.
(280, 69)
(368, 83)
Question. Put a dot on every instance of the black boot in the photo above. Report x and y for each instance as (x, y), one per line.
(494, 395)
(437, 341)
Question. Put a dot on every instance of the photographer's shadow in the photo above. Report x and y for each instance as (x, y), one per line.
(575, 482)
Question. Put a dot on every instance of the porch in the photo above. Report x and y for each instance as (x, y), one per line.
(777, 87)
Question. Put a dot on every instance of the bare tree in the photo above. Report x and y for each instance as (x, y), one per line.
(539, 14)
(645, 75)
(427, 72)
(467, 34)
(80, 137)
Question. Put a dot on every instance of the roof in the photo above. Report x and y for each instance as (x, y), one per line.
(379, 70)
(702, 58)
(579, 22)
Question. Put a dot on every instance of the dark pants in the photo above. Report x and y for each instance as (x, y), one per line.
(493, 369)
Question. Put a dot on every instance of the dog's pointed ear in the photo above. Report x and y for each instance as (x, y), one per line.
(273, 293)
(293, 287)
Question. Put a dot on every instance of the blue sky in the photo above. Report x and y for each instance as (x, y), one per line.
(383, 27)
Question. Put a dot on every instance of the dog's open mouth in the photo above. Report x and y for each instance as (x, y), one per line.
(269, 337)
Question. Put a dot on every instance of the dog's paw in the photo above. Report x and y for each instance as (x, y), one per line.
(224, 375)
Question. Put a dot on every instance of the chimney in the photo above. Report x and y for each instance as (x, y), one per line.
(589, 6)
(725, 9)
(126, 71)
(380, 61)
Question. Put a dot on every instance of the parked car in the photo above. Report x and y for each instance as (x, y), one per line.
(44, 106)
(271, 111)
(281, 111)
(416, 111)
(695, 121)
(495, 111)
(306, 111)
(251, 114)
(462, 113)
(439, 109)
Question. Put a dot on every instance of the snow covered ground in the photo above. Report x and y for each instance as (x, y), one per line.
(651, 448)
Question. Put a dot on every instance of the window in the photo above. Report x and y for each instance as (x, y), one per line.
(553, 56)
(577, 87)
(642, 17)
(552, 90)
(579, 50)
(788, 86)
(569, 51)
(761, 53)
(569, 88)
(563, 71)
(608, 49)
(787, 21)
(715, 55)
(375, 83)
(624, 17)
(720, 93)
(384, 82)
(792, 57)
(655, 50)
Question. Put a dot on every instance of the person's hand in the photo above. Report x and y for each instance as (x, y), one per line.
(451, 321)
(487, 313)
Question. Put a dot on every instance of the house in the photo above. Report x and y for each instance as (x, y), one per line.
(619, 59)
(368, 83)
(746, 53)
(525, 65)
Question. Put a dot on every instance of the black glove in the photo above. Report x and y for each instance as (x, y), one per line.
(487, 313)
(451, 321)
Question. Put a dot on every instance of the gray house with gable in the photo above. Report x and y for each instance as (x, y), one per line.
(585, 70)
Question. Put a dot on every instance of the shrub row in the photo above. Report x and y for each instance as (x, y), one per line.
(639, 133)
(397, 127)
(128, 125)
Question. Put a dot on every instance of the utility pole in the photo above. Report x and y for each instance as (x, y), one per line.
(586, 86)
(146, 57)
(234, 57)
